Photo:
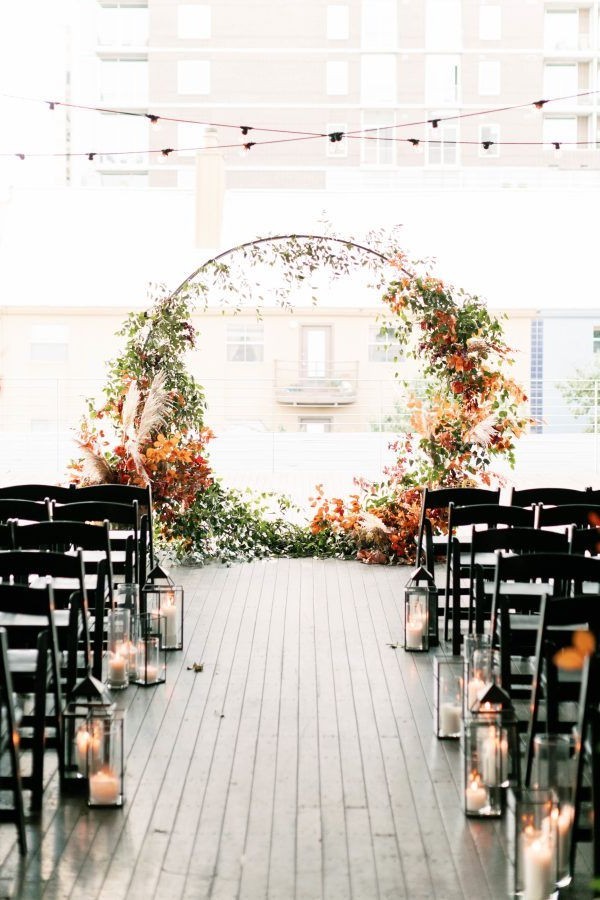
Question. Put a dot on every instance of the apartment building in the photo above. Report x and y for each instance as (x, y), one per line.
(323, 67)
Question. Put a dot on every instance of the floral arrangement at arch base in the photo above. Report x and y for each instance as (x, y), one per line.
(470, 413)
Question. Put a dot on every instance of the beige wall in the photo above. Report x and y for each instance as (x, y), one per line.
(36, 394)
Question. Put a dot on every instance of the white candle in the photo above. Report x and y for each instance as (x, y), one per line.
(85, 741)
(538, 870)
(148, 673)
(450, 718)
(128, 651)
(475, 690)
(494, 758)
(169, 613)
(117, 671)
(415, 629)
(104, 788)
(476, 795)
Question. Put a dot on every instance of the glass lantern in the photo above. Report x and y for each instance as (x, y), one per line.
(165, 602)
(151, 655)
(481, 668)
(89, 702)
(105, 759)
(491, 753)
(533, 841)
(127, 596)
(420, 611)
(119, 647)
(447, 701)
(554, 768)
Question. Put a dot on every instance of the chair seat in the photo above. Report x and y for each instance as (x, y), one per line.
(22, 662)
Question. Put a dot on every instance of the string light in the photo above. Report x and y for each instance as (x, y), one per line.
(334, 137)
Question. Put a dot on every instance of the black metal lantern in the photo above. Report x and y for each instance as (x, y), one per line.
(106, 757)
(89, 700)
(491, 760)
(420, 611)
(165, 603)
(151, 655)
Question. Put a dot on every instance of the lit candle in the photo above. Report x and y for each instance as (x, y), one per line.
(148, 673)
(104, 788)
(128, 651)
(476, 795)
(84, 742)
(450, 718)
(169, 613)
(117, 671)
(538, 870)
(475, 690)
(494, 758)
(415, 629)
(564, 824)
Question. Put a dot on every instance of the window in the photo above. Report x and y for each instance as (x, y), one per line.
(337, 78)
(194, 21)
(119, 133)
(383, 346)
(489, 133)
(338, 22)
(315, 424)
(489, 78)
(442, 25)
(561, 29)
(378, 79)
(380, 152)
(245, 343)
(189, 138)
(442, 149)
(562, 129)
(123, 26)
(193, 76)
(337, 149)
(441, 79)
(124, 82)
(379, 24)
(596, 343)
(49, 343)
(490, 23)
(560, 81)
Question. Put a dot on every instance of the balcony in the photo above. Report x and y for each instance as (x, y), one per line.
(315, 383)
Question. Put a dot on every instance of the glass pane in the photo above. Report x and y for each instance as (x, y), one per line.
(378, 79)
(441, 79)
(379, 24)
(561, 29)
(443, 25)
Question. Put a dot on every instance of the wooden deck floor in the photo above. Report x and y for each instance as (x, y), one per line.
(301, 763)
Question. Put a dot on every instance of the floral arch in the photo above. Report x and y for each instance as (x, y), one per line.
(150, 427)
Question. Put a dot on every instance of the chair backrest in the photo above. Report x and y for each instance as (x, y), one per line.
(24, 510)
(518, 540)
(584, 540)
(567, 514)
(441, 498)
(547, 496)
(113, 493)
(560, 568)
(119, 514)
(35, 492)
(21, 564)
(489, 514)
(62, 535)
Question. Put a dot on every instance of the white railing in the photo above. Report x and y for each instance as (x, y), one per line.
(268, 444)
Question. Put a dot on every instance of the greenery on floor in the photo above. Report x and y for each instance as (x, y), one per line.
(150, 428)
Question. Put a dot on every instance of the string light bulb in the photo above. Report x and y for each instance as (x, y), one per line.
(414, 141)
(539, 104)
(20, 156)
(248, 147)
(336, 136)
(91, 157)
(153, 118)
(486, 144)
(245, 129)
(51, 104)
(434, 122)
(166, 151)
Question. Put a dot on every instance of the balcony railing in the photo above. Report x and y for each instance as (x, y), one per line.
(315, 383)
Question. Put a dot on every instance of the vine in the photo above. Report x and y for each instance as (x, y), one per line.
(468, 414)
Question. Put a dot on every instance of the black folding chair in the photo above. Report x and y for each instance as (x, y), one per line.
(27, 614)
(38, 492)
(122, 493)
(94, 541)
(510, 541)
(579, 514)
(124, 521)
(472, 518)
(13, 781)
(519, 584)
(12, 509)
